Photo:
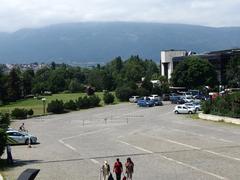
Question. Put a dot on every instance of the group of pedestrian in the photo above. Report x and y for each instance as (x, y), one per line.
(118, 170)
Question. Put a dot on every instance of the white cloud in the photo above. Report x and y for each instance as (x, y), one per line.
(16, 14)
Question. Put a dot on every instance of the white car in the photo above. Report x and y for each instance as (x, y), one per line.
(17, 137)
(183, 109)
(134, 99)
(197, 106)
(187, 99)
(154, 97)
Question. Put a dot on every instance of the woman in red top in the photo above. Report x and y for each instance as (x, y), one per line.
(118, 169)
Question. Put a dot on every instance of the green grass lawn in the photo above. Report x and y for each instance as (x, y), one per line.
(37, 104)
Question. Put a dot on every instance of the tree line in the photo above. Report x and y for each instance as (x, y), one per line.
(128, 77)
(57, 78)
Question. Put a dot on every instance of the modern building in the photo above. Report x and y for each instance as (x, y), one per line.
(167, 61)
(218, 59)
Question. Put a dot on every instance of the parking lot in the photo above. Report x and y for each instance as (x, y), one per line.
(163, 145)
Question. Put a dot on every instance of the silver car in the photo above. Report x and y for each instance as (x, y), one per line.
(16, 137)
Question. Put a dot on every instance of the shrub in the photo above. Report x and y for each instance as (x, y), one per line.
(3, 141)
(206, 107)
(108, 98)
(18, 113)
(228, 105)
(56, 107)
(124, 93)
(70, 105)
(30, 112)
(94, 101)
(88, 101)
(4, 123)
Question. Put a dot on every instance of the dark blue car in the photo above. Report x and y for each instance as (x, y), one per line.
(145, 102)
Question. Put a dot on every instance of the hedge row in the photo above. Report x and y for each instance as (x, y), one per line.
(228, 105)
(19, 113)
(58, 106)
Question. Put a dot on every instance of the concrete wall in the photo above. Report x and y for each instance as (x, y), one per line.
(219, 118)
(166, 57)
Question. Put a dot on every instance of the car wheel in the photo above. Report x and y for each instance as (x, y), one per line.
(176, 112)
(197, 109)
(190, 112)
(27, 141)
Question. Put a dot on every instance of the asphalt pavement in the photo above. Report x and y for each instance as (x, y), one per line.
(162, 145)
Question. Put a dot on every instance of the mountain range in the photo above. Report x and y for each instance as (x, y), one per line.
(100, 42)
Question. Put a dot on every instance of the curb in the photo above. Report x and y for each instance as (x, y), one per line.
(215, 118)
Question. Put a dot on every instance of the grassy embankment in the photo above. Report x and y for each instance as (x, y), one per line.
(37, 104)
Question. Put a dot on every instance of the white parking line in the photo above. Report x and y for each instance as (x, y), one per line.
(136, 147)
(67, 145)
(176, 161)
(95, 161)
(194, 147)
(201, 135)
(192, 167)
(84, 134)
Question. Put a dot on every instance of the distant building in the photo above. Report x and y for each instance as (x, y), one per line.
(167, 61)
(219, 59)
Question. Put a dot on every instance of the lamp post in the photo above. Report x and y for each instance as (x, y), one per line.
(44, 105)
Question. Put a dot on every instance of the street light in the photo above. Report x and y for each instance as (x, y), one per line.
(44, 104)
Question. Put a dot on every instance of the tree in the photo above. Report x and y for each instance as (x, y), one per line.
(75, 86)
(27, 81)
(233, 72)
(14, 89)
(194, 72)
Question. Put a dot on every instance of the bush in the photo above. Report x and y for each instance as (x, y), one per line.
(228, 105)
(94, 101)
(206, 107)
(3, 141)
(18, 113)
(30, 112)
(108, 98)
(124, 93)
(70, 105)
(56, 107)
(88, 102)
(4, 123)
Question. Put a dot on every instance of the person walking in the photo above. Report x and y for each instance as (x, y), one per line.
(105, 170)
(9, 155)
(129, 168)
(118, 169)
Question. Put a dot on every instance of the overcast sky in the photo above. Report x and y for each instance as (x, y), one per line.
(17, 14)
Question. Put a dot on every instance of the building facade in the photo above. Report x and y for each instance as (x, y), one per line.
(167, 61)
(219, 59)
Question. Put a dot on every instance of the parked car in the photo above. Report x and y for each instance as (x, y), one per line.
(196, 106)
(187, 99)
(183, 109)
(173, 96)
(133, 99)
(177, 100)
(157, 102)
(154, 97)
(21, 137)
(165, 97)
(145, 102)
